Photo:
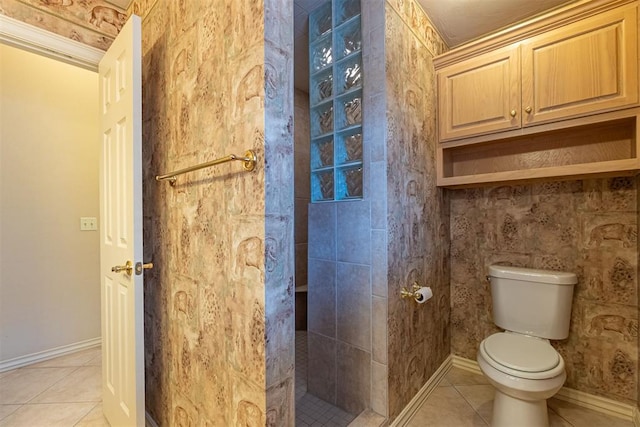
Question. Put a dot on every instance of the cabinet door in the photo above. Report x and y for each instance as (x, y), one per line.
(481, 95)
(585, 67)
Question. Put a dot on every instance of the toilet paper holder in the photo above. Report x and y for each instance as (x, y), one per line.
(406, 293)
(415, 293)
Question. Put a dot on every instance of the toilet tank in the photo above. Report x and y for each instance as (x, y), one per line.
(532, 302)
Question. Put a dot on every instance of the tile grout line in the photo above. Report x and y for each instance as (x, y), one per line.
(560, 416)
(487, 422)
(85, 415)
(75, 368)
(19, 405)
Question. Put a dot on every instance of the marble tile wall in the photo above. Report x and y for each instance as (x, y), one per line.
(417, 211)
(217, 79)
(588, 227)
(92, 22)
(279, 256)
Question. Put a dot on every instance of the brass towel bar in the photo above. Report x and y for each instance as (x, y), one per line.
(249, 163)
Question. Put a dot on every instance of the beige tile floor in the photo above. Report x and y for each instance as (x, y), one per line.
(61, 392)
(65, 392)
(464, 399)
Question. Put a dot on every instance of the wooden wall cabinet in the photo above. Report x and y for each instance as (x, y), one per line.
(480, 95)
(506, 102)
(581, 68)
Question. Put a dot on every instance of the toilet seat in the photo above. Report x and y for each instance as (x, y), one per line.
(522, 356)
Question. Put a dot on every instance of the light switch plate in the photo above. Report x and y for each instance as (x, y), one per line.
(88, 223)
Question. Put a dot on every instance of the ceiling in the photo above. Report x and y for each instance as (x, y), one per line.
(459, 21)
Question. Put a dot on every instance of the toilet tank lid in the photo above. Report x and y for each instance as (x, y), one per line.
(533, 275)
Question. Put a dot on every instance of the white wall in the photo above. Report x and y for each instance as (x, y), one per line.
(49, 269)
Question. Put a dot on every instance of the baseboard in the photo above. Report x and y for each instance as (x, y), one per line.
(412, 407)
(41, 356)
(597, 403)
(580, 398)
(149, 421)
(465, 364)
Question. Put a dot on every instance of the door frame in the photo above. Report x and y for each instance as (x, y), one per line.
(37, 40)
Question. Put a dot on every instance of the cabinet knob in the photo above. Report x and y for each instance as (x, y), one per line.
(513, 113)
(528, 110)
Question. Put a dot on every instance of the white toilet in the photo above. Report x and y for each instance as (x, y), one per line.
(533, 306)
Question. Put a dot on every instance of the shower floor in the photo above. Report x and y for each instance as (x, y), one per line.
(310, 410)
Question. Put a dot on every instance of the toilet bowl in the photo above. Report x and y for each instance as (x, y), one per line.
(525, 372)
(532, 306)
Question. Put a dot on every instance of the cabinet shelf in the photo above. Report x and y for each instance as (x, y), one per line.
(606, 144)
(558, 173)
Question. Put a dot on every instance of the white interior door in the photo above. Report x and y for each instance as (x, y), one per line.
(121, 228)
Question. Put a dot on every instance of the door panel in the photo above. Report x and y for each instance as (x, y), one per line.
(481, 95)
(121, 230)
(588, 66)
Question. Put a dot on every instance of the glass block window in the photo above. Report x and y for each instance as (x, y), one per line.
(335, 95)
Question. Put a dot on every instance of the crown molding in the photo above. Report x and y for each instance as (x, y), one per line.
(25, 36)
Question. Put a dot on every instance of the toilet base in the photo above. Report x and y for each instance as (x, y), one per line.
(509, 411)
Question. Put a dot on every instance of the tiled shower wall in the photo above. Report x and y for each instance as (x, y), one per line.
(380, 351)
(417, 211)
(301, 183)
(339, 307)
(343, 328)
(588, 227)
(219, 302)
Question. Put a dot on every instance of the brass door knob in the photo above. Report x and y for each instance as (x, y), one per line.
(127, 268)
(528, 110)
(513, 113)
